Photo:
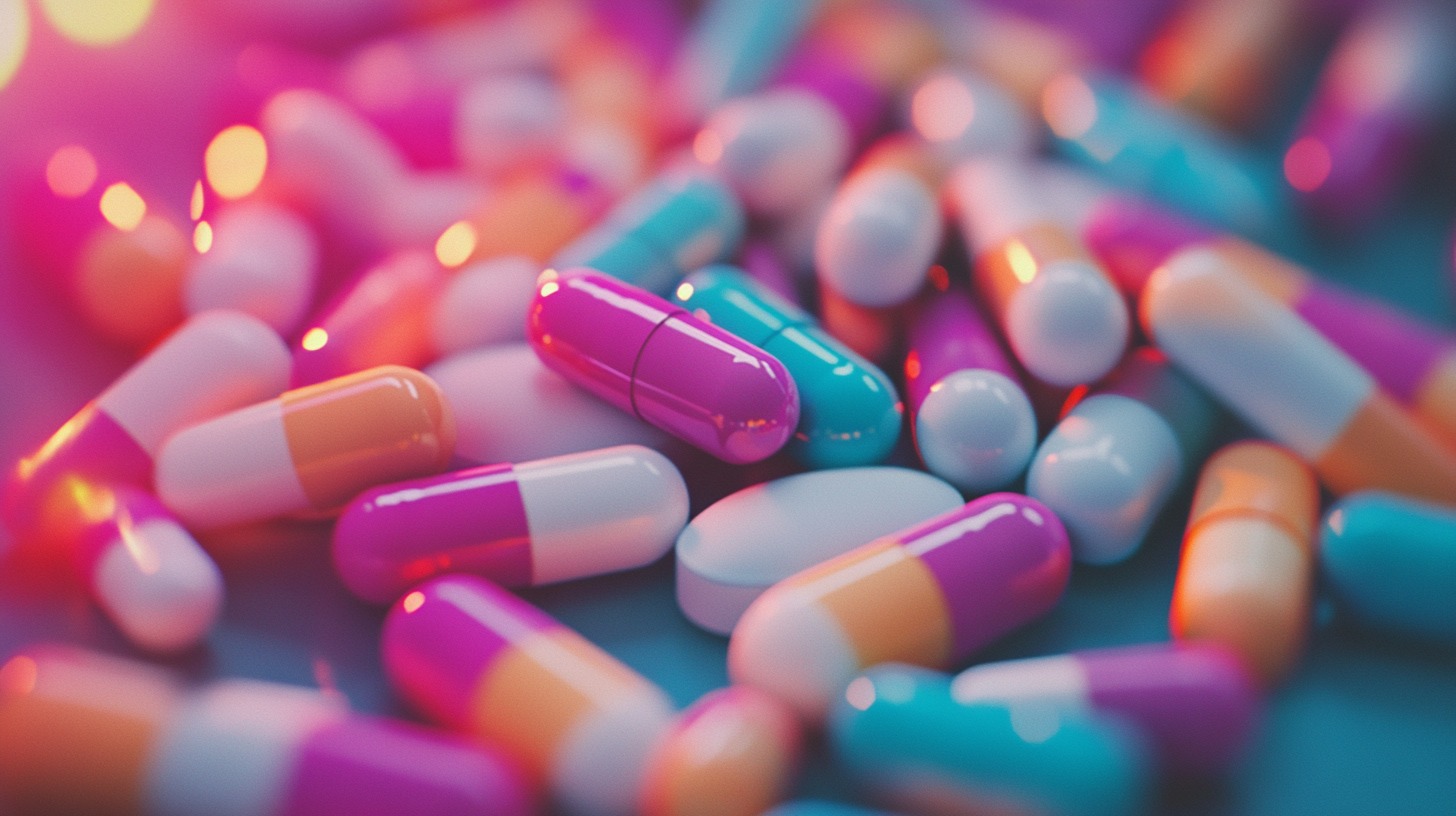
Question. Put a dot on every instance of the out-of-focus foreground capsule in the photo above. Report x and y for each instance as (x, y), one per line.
(883, 227)
(519, 525)
(145, 572)
(87, 734)
(903, 731)
(974, 425)
(1274, 370)
(931, 595)
(734, 550)
(509, 407)
(1059, 311)
(962, 114)
(679, 221)
(263, 260)
(216, 362)
(809, 807)
(1247, 569)
(732, 753)
(849, 411)
(1390, 564)
(1111, 463)
(472, 656)
(660, 363)
(1195, 703)
(313, 448)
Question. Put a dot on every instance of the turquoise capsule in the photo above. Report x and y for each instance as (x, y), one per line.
(850, 413)
(680, 221)
(900, 728)
(1390, 563)
(808, 807)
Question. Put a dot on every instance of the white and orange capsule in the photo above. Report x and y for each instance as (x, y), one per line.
(476, 658)
(313, 448)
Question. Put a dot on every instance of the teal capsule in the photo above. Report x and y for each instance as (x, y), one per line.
(680, 221)
(808, 807)
(1390, 563)
(849, 411)
(900, 728)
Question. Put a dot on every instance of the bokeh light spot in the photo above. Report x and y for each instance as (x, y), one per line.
(1069, 106)
(942, 109)
(456, 244)
(97, 22)
(235, 161)
(202, 237)
(315, 339)
(199, 201)
(14, 36)
(1307, 164)
(71, 170)
(122, 207)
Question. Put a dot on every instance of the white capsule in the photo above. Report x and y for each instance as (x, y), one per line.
(485, 304)
(263, 261)
(976, 430)
(878, 237)
(505, 120)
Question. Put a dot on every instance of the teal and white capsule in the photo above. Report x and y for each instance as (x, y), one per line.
(1390, 563)
(850, 410)
(901, 730)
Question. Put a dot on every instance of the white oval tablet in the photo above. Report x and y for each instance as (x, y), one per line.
(748, 541)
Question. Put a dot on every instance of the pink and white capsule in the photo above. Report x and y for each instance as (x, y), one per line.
(476, 658)
(263, 261)
(519, 525)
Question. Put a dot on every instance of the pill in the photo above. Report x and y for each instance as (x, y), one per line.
(506, 121)
(1195, 703)
(1274, 370)
(900, 729)
(778, 149)
(536, 213)
(484, 304)
(1246, 573)
(475, 658)
(849, 410)
(883, 227)
(963, 114)
(89, 734)
(517, 524)
(810, 807)
(734, 549)
(665, 366)
(509, 407)
(732, 753)
(381, 317)
(1112, 462)
(677, 222)
(931, 595)
(974, 425)
(263, 260)
(215, 362)
(1389, 564)
(313, 448)
(1061, 314)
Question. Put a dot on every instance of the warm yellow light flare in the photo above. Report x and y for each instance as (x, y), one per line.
(199, 200)
(97, 22)
(122, 207)
(315, 339)
(71, 170)
(1022, 262)
(14, 36)
(456, 244)
(235, 161)
(202, 237)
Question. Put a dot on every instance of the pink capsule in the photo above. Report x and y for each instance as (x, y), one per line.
(1196, 702)
(929, 596)
(519, 525)
(655, 360)
(472, 656)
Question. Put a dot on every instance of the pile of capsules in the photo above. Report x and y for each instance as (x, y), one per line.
(583, 234)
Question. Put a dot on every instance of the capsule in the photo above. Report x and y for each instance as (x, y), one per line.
(883, 227)
(214, 363)
(1110, 465)
(810, 807)
(734, 550)
(1415, 362)
(476, 658)
(519, 525)
(1275, 371)
(849, 411)
(931, 595)
(313, 448)
(509, 407)
(678, 222)
(1061, 314)
(1195, 703)
(537, 213)
(1389, 564)
(732, 753)
(962, 114)
(507, 120)
(87, 734)
(485, 304)
(264, 260)
(665, 366)
(900, 729)
(974, 425)
(1246, 574)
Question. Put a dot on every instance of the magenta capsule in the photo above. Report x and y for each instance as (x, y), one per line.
(1195, 702)
(519, 525)
(662, 364)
